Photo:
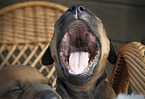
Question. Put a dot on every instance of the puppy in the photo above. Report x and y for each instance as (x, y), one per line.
(24, 82)
(80, 48)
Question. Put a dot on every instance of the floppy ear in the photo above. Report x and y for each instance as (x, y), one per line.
(47, 58)
(112, 55)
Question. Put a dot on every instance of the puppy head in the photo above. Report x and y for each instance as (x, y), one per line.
(24, 82)
(79, 46)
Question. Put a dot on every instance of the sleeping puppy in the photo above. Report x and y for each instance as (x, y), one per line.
(80, 48)
(24, 82)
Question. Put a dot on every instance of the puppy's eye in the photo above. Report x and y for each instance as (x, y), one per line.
(16, 90)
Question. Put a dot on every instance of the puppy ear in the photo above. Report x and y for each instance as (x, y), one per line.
(112, 55)
(47, 58)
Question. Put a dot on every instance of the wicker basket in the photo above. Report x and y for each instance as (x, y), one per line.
(26, 30)
(129, 69)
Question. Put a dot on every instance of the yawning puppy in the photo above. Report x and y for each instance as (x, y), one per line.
(24, 82)
(80, 49)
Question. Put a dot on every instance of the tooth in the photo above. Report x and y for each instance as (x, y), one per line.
(92, 37)
(65, 47)
(66, 38)
(65, 43)
(78, 62)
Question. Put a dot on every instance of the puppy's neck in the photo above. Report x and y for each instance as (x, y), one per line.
(67, 90)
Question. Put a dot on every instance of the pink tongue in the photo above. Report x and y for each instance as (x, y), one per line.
(78, 62)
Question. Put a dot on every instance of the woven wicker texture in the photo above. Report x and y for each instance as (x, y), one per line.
(26, 30)
(130, 65)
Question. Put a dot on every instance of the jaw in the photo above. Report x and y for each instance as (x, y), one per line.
(79, 52)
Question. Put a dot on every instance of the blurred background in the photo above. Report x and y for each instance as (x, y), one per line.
(124, 20)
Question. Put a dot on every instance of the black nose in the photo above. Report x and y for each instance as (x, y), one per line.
(77, 9)
(48, 94)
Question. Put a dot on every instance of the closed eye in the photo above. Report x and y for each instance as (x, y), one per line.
(13, 92)
(16, 90)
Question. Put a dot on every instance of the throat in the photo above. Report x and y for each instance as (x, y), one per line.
(86, 91)
(67, 90)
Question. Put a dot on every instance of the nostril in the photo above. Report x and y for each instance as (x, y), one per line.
(72, 8)
(76, 9)
(81, 8)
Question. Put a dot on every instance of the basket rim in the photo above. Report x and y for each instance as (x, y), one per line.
(24, 42)
(32, 3)
(13, 7)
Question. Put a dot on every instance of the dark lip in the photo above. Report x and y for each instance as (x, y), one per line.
(67, 31)
(85, 75)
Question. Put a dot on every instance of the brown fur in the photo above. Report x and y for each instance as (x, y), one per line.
(23, 82)
(80, 86)
(93, 88)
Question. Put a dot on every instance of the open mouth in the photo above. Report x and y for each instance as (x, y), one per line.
(79, 48)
